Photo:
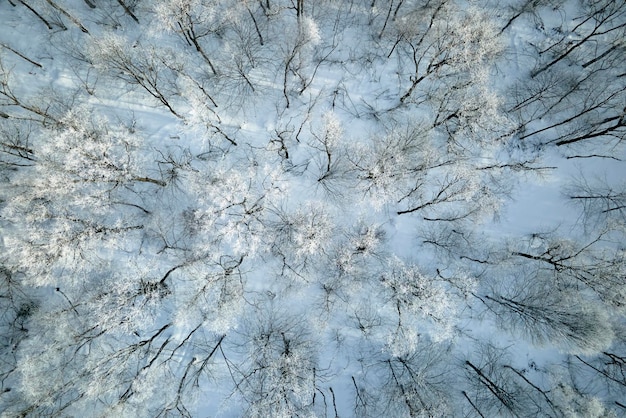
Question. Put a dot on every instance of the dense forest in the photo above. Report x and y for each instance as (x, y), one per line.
(312, 208)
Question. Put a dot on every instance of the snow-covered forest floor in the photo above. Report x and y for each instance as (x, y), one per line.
(297, 208)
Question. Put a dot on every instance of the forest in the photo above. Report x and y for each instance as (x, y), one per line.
(313, 208)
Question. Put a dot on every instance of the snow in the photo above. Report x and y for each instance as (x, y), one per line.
(302, 235)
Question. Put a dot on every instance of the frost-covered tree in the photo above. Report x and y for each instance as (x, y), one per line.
(197, 23)
(551, 299)
(593, 264)
(300, 44)
(16, 104)
(412, 384)
(417, 299)
(278, 374)
(597, 383)
(440, 41)
(72, 191)
(300, 237)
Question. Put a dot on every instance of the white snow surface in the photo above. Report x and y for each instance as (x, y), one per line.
(292, 236)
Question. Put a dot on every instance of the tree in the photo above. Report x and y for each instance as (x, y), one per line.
(15, 147)
(296, 52)
(16, 307)
(388, 165)
(602, 20)
(141, 66)
(300, 237)
(437, 46)
(417, 299)
(493, 387)
(328, 144)
(578, 81)
(278, 375)
(602, 376)
(411, 384)
(197, 23)
(16, 106)
(408, 170)
(549, 309)
(593, 264)
(90, 170)
(603, 205)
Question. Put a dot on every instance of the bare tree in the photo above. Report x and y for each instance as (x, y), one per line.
(141, 66)
(548, 308)
(578, 81)
(411, 385)
(603, 205)
(494, 388)
(16, 307)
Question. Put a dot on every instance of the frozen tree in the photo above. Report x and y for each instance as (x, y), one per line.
(439, 41)
(328, 145)
(387, 166)
(594, 263)
(416, 298)
(300, 44)
(597, 382)
(301, 236)
(411, 385)
(408, 169)
(493, 387)
(15, 147)
(196, 23)
(16, 307)
(278, 375)
(88, 171)
(601, 21)
(15, 104)
(348, 272)
(576, 404)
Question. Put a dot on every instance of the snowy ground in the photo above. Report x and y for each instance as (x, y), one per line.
(335, 208)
